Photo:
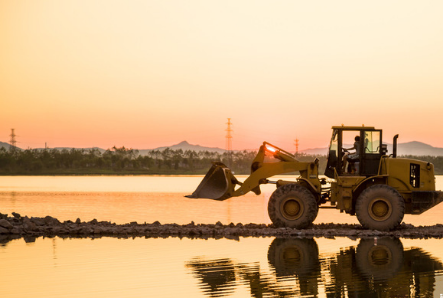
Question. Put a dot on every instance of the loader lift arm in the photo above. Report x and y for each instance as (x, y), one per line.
(220, 184)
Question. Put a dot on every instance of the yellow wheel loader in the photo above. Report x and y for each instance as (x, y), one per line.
(377, 187)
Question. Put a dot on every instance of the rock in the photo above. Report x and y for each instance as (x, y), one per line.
(38, 221)
(3, 230)
(15, 221)
(29, 239)
(51, 221)
(85, 230)
(192, 224)
(56, 230)
(139, 230)
(17, 231)
(28, 225)
(78, 221)
(5, 223)
(16, 215)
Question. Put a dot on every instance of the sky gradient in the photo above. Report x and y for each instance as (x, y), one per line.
(144, 74)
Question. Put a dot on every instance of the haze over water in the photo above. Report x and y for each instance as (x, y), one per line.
(122, 199)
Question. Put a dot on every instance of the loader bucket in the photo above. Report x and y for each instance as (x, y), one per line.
(217, 184)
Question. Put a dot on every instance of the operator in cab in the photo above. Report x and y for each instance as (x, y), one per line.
(351, 156)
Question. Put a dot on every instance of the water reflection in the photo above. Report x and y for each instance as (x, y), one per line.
(375, 268)
(217, 277)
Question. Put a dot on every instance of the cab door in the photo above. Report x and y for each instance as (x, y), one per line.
(333, 155)
(371, 152)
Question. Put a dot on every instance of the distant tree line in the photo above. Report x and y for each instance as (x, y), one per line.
(117, 161)
(128, 161)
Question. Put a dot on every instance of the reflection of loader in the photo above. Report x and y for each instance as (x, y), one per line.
(375, 268)
(378, 268)
(380, 189)
(217, 275)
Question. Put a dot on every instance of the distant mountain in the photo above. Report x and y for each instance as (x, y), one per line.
(413, 148)
(184, 145)
(416, 148)
(5, 145)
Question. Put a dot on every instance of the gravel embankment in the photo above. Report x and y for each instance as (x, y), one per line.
(17, 226)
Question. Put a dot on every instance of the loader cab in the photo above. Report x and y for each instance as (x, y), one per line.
(370, 151)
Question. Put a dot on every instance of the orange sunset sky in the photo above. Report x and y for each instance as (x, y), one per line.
(144, 74)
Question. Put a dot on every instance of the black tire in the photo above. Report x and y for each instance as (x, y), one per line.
(380, 207)
(291, 257)
(293, 206)
(379, 259)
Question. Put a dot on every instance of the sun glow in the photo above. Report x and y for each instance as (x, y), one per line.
(270, 148)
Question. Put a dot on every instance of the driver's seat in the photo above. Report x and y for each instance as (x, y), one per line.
(353, 165)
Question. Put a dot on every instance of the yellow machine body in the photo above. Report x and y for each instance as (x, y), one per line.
(376, 186)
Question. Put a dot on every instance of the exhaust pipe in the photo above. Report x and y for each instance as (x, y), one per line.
(394, 147)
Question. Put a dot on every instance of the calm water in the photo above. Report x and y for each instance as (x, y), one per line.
(173, 267)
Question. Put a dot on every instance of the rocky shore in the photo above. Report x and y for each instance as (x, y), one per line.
(17, 226)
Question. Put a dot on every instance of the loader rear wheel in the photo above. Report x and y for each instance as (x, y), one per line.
(380, 207)
(293, 206)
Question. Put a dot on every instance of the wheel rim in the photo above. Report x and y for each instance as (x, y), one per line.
(380, 209)
(292, 256)
(379, 256)
(292, 208)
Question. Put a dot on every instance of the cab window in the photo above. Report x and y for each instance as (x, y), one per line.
(372, 142)
(334, 143)
(333, 148)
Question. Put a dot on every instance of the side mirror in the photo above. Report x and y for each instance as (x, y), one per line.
(384, 149)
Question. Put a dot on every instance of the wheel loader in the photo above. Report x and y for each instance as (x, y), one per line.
(376, 187)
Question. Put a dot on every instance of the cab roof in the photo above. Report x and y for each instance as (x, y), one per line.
(353, 128)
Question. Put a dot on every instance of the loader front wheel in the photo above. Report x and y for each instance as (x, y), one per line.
(380, 207)
(291, 257)
(293, 206)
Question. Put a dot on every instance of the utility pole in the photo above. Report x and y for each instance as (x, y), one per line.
(12, 141)
(296, 146)
(229, 141)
